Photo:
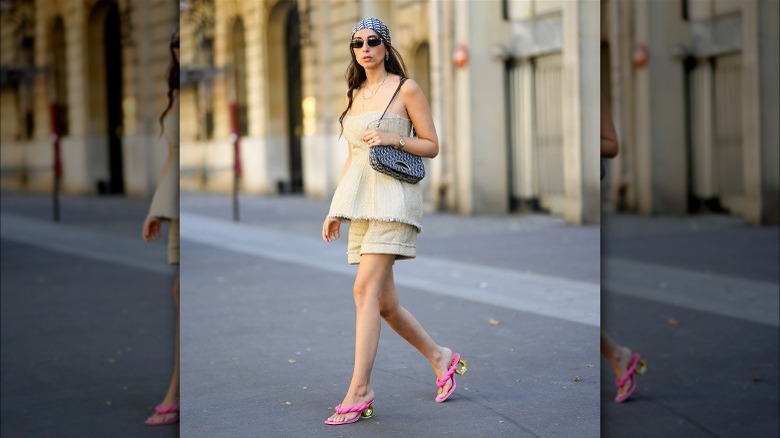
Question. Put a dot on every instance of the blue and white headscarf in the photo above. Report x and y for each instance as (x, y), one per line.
(374, 24)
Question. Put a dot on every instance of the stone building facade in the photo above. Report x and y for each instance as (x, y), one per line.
(694, 92)
(99, 68)
(517, 114)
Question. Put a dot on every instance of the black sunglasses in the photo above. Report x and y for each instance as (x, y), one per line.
(174, 44)
(357, 43)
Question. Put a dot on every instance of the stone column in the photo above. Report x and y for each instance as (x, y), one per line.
(760, 111)
(660, 116)
(581, 38)
(378, 9)
(480, 133)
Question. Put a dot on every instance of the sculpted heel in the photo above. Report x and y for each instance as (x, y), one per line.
(457, 366)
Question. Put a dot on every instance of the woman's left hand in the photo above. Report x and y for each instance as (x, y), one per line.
(377, 137)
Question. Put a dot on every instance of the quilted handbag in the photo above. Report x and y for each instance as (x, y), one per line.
(395, 162)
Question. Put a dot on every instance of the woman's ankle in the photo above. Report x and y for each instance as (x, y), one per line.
(441, 354)
(360, 390)
(620, 357)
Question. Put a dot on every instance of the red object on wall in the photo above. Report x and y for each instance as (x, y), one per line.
(55, 135)
(235, 137)
(640, 55)
(460, 57)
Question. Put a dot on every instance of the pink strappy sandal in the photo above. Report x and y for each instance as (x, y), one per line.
(457, 366)
(635, 367)
(163, 415)
(366, 411)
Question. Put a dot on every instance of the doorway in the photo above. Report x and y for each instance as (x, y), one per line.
(294, 98)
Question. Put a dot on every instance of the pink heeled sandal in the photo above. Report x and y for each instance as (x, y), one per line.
(457, 366)
(162, 415)
(366, 411)
(636, 366)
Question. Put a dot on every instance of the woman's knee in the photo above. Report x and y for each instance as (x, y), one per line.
(364, 294)
(388, 304)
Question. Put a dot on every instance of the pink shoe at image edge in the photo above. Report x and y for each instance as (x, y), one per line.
(162, 415)
(636, 366)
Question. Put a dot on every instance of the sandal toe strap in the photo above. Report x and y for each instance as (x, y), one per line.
(450, 371)
(630, 370)
(162, 410)
(348, 409)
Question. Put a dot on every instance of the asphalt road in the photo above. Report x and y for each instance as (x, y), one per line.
(269, 326)
(87, 318)
(698, 298)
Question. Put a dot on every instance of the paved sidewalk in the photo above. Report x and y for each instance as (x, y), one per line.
(698, 298)
(268, 325)
(87, 319)
(84, 304)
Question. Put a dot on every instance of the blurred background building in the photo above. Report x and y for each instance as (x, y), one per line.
(513, 86)
(94, 72)
(693, 86)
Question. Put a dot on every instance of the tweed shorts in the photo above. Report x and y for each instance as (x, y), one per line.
(173, 242)
(380, 237)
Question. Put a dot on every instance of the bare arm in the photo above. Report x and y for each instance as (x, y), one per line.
(427, 142)
(609, 141)
(331, 227)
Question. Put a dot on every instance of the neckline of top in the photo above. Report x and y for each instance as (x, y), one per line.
(375, 112)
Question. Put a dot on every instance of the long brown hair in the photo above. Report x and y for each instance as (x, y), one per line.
(172, 79)
(356, 74)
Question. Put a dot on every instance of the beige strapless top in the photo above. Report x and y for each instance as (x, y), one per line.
(364, 193)
(165, 202)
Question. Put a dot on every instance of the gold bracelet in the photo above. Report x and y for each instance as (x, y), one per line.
(401, 142)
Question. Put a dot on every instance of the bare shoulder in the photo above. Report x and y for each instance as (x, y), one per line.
(411, 88)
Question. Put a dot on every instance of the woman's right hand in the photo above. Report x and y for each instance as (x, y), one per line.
(151, 228)
(331, 229)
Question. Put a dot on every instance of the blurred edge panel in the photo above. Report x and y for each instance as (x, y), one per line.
(93, 73)
(694, 92)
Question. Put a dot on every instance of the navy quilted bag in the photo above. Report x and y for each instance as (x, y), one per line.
(395, 162)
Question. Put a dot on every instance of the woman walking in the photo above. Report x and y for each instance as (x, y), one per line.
(625, 363)
(165, 208)
(385, 213)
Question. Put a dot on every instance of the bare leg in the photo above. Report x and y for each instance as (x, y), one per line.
(407, 326)
(618, 357)
(372, 271)
(172, 395)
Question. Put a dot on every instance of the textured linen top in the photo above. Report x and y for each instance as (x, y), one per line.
(165, 202)
(364, 193)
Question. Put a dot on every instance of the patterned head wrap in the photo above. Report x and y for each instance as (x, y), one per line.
(374, 24)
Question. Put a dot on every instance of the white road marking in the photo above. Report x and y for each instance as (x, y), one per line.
(570, 300)
(82, 242)
(728, 296)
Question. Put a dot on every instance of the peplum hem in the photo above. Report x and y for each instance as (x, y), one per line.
(365, 194)
(345, 217)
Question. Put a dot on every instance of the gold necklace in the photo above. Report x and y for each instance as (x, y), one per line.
(373, 92)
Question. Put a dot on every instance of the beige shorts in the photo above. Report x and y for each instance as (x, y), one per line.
(173, 242)
(379, 237)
